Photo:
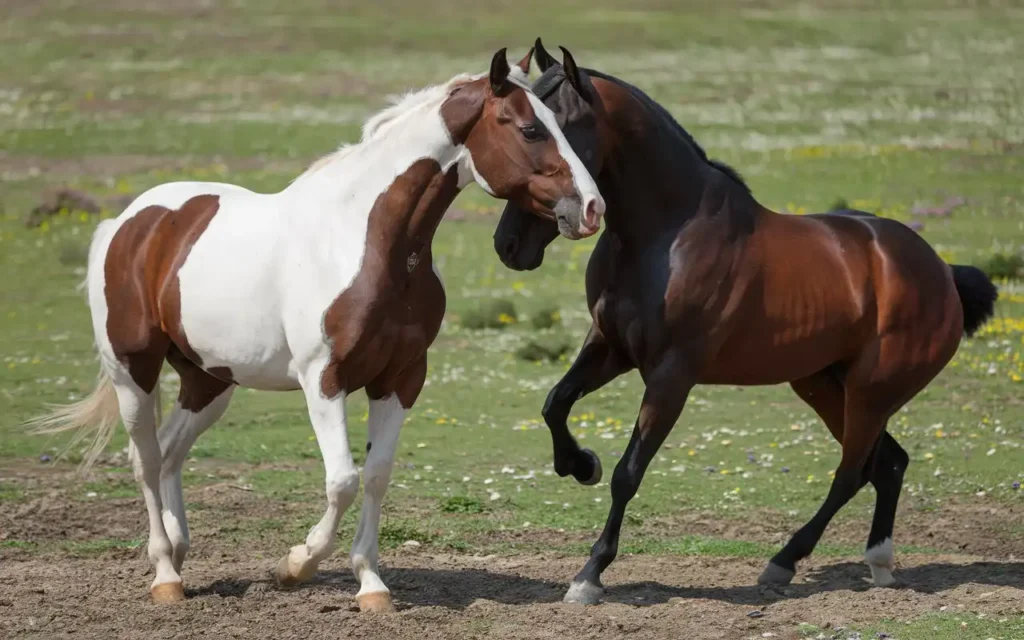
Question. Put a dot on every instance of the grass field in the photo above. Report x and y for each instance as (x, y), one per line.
(893, 108)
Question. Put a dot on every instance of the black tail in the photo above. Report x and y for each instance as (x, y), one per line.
(977, 295)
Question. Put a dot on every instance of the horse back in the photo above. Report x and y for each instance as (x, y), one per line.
(803, 292)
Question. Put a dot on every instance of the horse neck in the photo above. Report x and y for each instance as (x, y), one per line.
(654, 179)
(400, 181)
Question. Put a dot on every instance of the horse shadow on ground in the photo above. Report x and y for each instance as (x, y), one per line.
(460, 588)
(843, 576)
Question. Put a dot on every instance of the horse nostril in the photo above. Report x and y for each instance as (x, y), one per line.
(592, 210)
(511, 245)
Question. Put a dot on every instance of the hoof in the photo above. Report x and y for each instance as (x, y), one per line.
(376, 602)
(167, 592)
(774, 574)
(583, 593)
(595, 476)
(289, 576)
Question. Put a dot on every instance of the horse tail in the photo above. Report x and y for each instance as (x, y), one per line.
(977, 296)
(97, 414)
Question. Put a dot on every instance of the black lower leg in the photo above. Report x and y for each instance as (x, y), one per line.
(845, 485)
(890, 463)
(660, 409)
(624, 485)
(596, 365)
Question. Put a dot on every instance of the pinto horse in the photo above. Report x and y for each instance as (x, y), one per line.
(694, 282)
(327, 286)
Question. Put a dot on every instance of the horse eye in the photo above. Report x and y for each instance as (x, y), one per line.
(533, 133)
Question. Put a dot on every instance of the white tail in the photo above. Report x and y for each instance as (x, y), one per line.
(96, 414)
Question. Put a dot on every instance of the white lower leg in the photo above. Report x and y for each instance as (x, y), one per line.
(386, 417)
(302, 560)
(583, 593)
(881, 560)
(174, 520)
(342, 479)
(137, 413)
(177, 436)
(170, 486)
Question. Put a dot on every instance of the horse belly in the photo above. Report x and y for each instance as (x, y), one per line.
(231, 310)
(778, 348)
(765, 363)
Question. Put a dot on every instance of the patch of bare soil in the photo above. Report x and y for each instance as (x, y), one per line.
(54, 594)
(445, 596)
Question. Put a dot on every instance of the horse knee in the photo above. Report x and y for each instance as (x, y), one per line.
(558, 404)
(892, 461)
(901, 460)
(342, 487)
(376, 475)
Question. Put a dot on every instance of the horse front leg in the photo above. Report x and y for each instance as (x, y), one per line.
(387, 412)
(597, 364)
(662, 403)
(341, 479)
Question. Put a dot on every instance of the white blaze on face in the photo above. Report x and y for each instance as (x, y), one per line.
(590, 196)
(468, 173)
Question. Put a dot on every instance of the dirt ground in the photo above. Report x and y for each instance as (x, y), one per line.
(54, 594)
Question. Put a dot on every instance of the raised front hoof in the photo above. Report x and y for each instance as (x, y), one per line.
(583, 593)
(289, 576)
(376, 602)
(882, 576)
(594, 465)
(167, 592)
(773, 574)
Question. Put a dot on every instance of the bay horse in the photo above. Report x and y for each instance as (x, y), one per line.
(328, 287)
(695, 282)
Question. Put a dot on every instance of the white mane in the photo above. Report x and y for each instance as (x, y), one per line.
(409, 102)
(405, 104)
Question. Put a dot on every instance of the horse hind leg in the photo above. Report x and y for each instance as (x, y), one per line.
(886, 474)
(202, 400)
(862, 427)
(825, 393)
(138, 397)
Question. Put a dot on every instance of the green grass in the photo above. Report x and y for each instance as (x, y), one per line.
(804, 124)
(97, 547)
(885, 109)
(939, 626)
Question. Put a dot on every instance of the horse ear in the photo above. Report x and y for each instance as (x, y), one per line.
(544, 59)
(499, 71)
(572, 73)
(524, 64)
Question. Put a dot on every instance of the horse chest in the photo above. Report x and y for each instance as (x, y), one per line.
(627, 293)
(376, 331)
(618, 316)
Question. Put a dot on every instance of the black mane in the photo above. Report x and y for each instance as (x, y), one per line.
(663, 112)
